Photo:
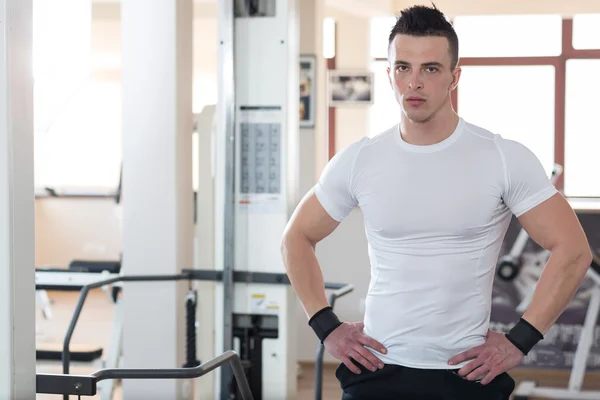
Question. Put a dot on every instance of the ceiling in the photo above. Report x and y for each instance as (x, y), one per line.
(357, 7)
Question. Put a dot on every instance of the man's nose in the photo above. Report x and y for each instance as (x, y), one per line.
(415, 81)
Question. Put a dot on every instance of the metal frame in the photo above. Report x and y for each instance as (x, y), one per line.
(46, 380)
(226, 116)
(86, 385)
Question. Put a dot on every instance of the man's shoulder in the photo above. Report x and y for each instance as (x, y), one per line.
(497, 138)
(492, 140)
(378, 141)
(480, 131)
(369, 143)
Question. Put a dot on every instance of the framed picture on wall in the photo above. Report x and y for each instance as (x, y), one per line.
(308, 91)
(347, 87)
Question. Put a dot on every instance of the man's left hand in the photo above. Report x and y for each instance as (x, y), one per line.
(495, 356)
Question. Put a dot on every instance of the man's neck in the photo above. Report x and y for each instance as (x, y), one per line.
(439, 128)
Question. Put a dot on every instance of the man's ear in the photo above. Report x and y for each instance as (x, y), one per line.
(455, 78)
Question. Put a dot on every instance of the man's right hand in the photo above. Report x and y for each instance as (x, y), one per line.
(348, 341)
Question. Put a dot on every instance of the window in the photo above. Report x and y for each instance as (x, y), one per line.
(385, 111)
(582, 132)
(61, 55)
(586, 31)
(82, 148)
(329, 37)
(514, 101)
(509, 35)
(380, 32)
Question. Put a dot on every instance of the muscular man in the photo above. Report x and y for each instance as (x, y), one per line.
(437, 194)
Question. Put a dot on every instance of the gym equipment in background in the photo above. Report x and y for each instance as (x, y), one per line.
(54, 279)
(529, 389)
(251, 330)
(256, 189)
(58, 279)
(86, 385)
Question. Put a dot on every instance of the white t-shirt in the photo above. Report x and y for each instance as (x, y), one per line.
(435, 217)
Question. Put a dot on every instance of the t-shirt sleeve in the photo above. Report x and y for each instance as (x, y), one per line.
(334, 189)
(526, 183)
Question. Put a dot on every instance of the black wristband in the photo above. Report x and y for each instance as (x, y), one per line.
(524, 336)
(324, 322)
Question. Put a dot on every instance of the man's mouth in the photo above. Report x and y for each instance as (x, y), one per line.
(415, 101)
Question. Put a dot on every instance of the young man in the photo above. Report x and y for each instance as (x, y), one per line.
(437, 194)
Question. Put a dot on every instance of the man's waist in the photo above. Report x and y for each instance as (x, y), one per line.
(424, 354)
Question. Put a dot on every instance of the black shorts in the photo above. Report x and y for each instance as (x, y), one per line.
(394, 382)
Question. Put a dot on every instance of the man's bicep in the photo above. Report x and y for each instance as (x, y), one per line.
(552, 223)
(311, 220)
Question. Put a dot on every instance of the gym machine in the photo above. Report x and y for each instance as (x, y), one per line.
(524, 272)
(86, 385)
(529, 389)
(250, 363)
(256, 190)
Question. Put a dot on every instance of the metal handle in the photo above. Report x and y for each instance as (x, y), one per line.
(229, 356)
(87, 384)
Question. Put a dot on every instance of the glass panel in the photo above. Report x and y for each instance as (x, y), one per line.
(62, 33)
(83, 147)
(527, 36)
(582, 132)
(380, 33)
(516, 102)
(586, 31)
(385, 111)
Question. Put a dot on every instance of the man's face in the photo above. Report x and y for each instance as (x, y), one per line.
(421, 76)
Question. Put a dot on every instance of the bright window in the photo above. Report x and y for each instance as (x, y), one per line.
(514, 101)
(380, 32)
(582, 132)
(329, 37)
(586, 31)
(385, 111)
(509, 35)
(61, 55)
(82, 148)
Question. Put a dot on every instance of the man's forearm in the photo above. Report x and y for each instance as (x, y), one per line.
(305, 273)
(556, 287)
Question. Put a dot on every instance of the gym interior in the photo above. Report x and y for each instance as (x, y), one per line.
(126, 180)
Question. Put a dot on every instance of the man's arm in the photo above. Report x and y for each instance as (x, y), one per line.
(309, 224)
(555, 227)
(346, 341)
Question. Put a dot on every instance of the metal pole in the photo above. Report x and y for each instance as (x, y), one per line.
(227, 112)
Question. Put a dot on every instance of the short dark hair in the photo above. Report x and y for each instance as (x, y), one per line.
(426, 21)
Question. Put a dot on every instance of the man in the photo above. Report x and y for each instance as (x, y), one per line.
(437, 194)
